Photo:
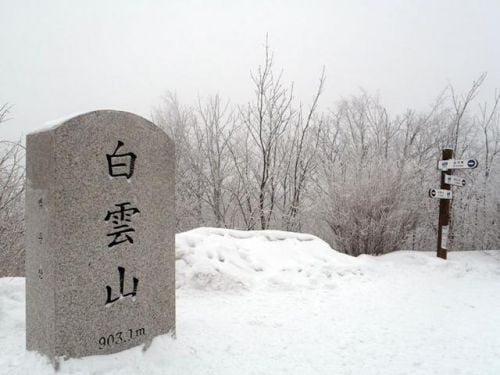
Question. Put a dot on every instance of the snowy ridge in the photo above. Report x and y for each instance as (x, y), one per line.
(223, 259)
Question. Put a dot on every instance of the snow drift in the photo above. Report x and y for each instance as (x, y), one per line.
(223, 259)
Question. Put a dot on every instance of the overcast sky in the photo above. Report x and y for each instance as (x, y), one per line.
(64, 57)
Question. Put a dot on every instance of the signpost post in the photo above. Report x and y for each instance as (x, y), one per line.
(444, 209)
(445, 195)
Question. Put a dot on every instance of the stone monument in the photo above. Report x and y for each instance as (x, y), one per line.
(100, 220)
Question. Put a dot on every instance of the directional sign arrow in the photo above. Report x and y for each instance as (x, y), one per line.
(444, 165)
(454, 180)
(440, 193)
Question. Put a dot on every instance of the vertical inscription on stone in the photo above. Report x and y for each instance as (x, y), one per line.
(121, 219)
(100, 235)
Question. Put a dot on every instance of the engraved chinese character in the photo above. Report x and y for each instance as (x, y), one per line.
(121, 165)
(121, 219)
(121, 273)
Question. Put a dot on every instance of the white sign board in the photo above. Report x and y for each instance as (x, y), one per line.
(440, 194)
(444, 237)
(454, 180)
(444, 165)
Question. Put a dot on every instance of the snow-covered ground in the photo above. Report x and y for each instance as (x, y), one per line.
(281, 303)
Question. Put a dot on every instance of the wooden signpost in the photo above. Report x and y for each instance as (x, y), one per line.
(445, 195)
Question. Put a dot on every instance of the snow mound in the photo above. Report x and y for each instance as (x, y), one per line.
(223, 259)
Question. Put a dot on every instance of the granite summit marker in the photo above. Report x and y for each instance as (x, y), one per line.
(100, 220)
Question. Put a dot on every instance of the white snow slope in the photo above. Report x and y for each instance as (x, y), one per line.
(283, 303)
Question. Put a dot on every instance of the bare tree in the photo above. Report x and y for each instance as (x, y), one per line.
(11, 204)
(489, 121)
(242, 190)
(464, 133)
(213, 133)
(300, 153)
(460, 106)
(266, 119)
(178, 122)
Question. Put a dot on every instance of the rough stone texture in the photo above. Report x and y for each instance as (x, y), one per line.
(69, 260)
(12, 262)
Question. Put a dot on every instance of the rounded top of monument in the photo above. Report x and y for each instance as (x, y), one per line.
(106, 117)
